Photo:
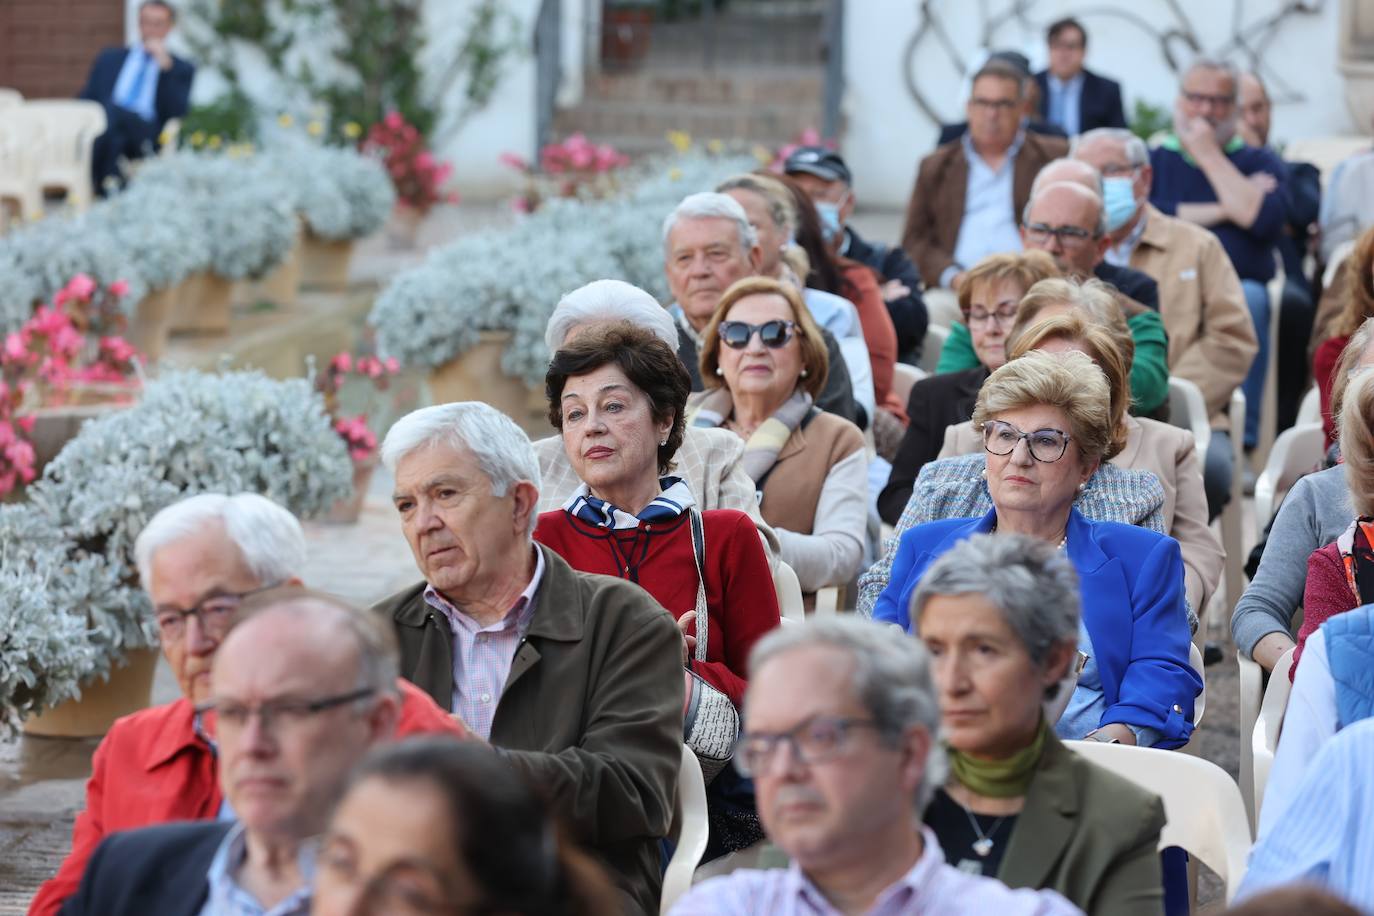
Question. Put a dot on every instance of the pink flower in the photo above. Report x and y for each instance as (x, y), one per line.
(425, 160)
(393, 120)
(26, 423)
(514, 161)
(522, 205)
(15, 346)
(119, 288)
(392, 364)
(343, 362)
(81, 286)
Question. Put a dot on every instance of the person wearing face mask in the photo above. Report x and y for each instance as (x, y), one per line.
(1205, 174)
(826, 179)
(1211, 334)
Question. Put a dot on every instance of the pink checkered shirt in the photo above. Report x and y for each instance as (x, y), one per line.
(482, 656)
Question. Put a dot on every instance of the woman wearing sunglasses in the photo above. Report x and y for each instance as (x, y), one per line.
(1046, 422)
(763, 363)
(434, 827)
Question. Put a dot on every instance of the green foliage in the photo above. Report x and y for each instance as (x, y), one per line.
(1148, 120)
(230, 117)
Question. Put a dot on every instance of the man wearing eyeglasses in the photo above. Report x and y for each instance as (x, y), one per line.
(841, 743)
(297, 695)
(1204, 173)
(968, 193)
(1071, 95)
(199, 560)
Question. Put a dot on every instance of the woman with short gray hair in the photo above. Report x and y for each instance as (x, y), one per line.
(1000, 619)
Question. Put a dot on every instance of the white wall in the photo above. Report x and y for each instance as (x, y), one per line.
(888, 132)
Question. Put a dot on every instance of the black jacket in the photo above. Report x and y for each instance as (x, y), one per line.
(158, 870)
(934, 404)
(173, 95)
(908, 312)
(837, 396)
(956, 130)
(1128, 281)
(1098, 106)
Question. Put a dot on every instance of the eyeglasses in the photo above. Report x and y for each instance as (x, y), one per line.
(1119, 169)
(1202, 98)
(1002, 317)
(815, 740)
(408, 887)
(287, 713)
(1067, 236)
(772, 334)
(214, 614)
(1046, 445)
(1001, 106)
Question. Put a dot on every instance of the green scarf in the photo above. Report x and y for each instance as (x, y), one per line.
(1006, 778)
(1172, 143)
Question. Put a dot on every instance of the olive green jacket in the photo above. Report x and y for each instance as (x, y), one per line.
(1089, 834)
(591, 710)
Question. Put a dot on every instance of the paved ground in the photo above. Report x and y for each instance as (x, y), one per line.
(41, 780)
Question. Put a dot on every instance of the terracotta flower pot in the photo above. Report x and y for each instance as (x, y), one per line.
(403, 228)
(280, 287)
(476, 375)
(348, 510)
(152, 321)
(324, 262)
(129, 689)
(203, 304)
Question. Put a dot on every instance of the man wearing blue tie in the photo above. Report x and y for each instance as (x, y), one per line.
(1072, 97)
(141, 87)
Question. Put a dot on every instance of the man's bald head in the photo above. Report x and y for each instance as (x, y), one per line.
(1066, 220)
(1074, 171)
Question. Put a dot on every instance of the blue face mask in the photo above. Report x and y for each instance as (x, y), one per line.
(1118, 199)
(830, 219)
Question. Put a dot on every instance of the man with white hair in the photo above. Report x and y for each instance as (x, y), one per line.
(708, 244)
(576, 678)
(198, 560)
(709, 459)
(842, 721)
(298, 693)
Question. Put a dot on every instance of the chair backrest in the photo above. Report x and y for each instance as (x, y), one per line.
(1338, 257)
(1264, 739)
(934, 343)
(789, 592)
(903, 377)
(1188, 410)
(1200, 704)
(1202, 805)
(690, 830)
(1249, 685)
(1310, 410)
(10, 97)
(1325, 152)
(1297, 451)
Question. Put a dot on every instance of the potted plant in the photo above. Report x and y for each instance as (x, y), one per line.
(355, 430)
(417, 175)
(574, 167)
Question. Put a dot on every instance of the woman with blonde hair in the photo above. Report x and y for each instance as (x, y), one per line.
(763, 363)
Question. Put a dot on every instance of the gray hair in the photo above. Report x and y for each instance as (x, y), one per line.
(1100, 229)
(781, 207)
(1137, 153)
(1217, 65)
(1088, 168)
(502, 449)
(606, 301)
(892, 679)
(712, 205)
(268, 537)
(1027, 579)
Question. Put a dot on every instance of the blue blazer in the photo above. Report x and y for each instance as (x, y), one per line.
(162, 869)
(1098, 106)
(1131, 585)
(173, 96)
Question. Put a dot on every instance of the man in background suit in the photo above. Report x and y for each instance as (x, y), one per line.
(1072, 97)
(142, 87)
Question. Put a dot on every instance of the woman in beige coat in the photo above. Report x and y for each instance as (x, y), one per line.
(1062, 315)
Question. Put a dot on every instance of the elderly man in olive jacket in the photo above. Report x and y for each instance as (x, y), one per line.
(576, 678)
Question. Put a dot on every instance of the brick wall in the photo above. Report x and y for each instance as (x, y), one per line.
(46, 46)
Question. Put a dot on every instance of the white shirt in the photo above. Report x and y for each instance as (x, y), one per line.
(143, 102)
(1308, 723)
(989, 226)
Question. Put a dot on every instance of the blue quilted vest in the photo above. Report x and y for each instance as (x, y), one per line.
(1350, 649)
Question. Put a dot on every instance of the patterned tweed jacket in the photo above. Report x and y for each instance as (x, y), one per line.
(954, 488)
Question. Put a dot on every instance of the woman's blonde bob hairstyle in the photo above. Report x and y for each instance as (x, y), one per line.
(1357, 440)
(1091, 297)
(1024, 268)
(815, 362)
(1069, 382)
(1110, 347)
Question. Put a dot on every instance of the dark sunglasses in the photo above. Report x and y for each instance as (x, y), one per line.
(772, 334)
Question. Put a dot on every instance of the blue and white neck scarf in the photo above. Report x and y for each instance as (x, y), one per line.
(675, 499)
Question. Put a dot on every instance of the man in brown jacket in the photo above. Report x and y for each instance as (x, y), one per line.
(575, 678)
(970, 192)
(1212, 339)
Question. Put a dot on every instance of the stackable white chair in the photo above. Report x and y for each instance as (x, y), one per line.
(1203, 810)
(72, 128)
(10, 97)
(1310, 410)
(1297, 451)
(1264, 737)
(22, 141)
(1231, 538)
(934, 343)
(789, 593)
(690, 829)
(1188, 410)
(1269, 403)
(904, 377)
(1250, 686)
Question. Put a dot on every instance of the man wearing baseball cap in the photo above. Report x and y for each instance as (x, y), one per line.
(825, 177)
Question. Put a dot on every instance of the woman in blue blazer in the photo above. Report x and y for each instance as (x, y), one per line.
(1046, 426)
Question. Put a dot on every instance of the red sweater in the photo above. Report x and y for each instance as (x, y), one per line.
(150, 768)
(1323, 370)
(740, 599)
(1326, 594)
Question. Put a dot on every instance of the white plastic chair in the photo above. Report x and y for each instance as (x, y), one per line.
(789, 592)
(690, 830)
(1296, 451)
(1264, 738)
(934, 343)
(72, 128)
(1231, 538)
(22, 141)
(1200, 704)
(10, 97)
(1338, 257)
(1188, 410)
(1250, 686)
(1269, 400)
(1202, 805)
(1325, 152)
(1310, 410)
(903, 378)
(942, 307)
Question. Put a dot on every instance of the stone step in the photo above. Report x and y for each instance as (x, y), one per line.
(750, 124)
(674, 86)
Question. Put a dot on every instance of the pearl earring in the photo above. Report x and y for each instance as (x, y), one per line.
(1082, 487)
(719, 371)
(805, 373)
(664, 442)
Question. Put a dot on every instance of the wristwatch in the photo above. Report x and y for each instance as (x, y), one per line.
(1100, 737)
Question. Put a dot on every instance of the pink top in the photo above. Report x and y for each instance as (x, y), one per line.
(1326, 594)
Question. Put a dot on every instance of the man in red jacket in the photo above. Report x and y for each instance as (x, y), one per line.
(198, 560)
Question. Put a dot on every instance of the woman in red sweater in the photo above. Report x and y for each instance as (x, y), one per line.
(1328, 359)
(617, 394)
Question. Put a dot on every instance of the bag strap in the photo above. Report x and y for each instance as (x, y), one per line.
(698, 551)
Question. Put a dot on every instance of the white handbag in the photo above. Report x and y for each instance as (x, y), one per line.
(710, 722)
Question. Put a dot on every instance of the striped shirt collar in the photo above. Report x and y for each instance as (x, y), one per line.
(675, 499)
(229, 898)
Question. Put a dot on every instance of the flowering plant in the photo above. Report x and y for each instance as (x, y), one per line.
(354, 430)
(418, 176)
(574, 168)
